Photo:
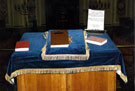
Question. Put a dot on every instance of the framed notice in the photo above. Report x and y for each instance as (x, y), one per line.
(95, 20)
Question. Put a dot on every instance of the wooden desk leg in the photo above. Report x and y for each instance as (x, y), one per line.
(92, 81)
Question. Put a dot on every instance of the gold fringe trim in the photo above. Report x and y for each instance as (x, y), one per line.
(8, 78)
(65, 71)
(65, 56)
(123, 77)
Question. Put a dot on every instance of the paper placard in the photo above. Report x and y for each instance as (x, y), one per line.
(95, 20)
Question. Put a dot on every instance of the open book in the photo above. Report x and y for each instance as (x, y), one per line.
(95, 20)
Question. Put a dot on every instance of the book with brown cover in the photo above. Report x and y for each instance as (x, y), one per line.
(96, 40)
(22, 46)
(59, 38)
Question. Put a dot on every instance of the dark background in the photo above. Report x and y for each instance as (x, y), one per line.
(42, 15)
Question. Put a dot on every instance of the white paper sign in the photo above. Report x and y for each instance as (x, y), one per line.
(95, 20)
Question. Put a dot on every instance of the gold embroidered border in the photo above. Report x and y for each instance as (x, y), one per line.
(65, 56)
(66, 71)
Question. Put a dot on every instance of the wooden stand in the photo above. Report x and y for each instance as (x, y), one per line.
(85, 81)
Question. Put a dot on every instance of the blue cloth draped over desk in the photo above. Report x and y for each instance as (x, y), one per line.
(105, 55)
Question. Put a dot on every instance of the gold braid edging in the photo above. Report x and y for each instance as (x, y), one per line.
(66, 71)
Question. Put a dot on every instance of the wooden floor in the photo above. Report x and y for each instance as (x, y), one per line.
(85, 81)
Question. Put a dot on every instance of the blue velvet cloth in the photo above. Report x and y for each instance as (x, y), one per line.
(107, 54)
(77, 46)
